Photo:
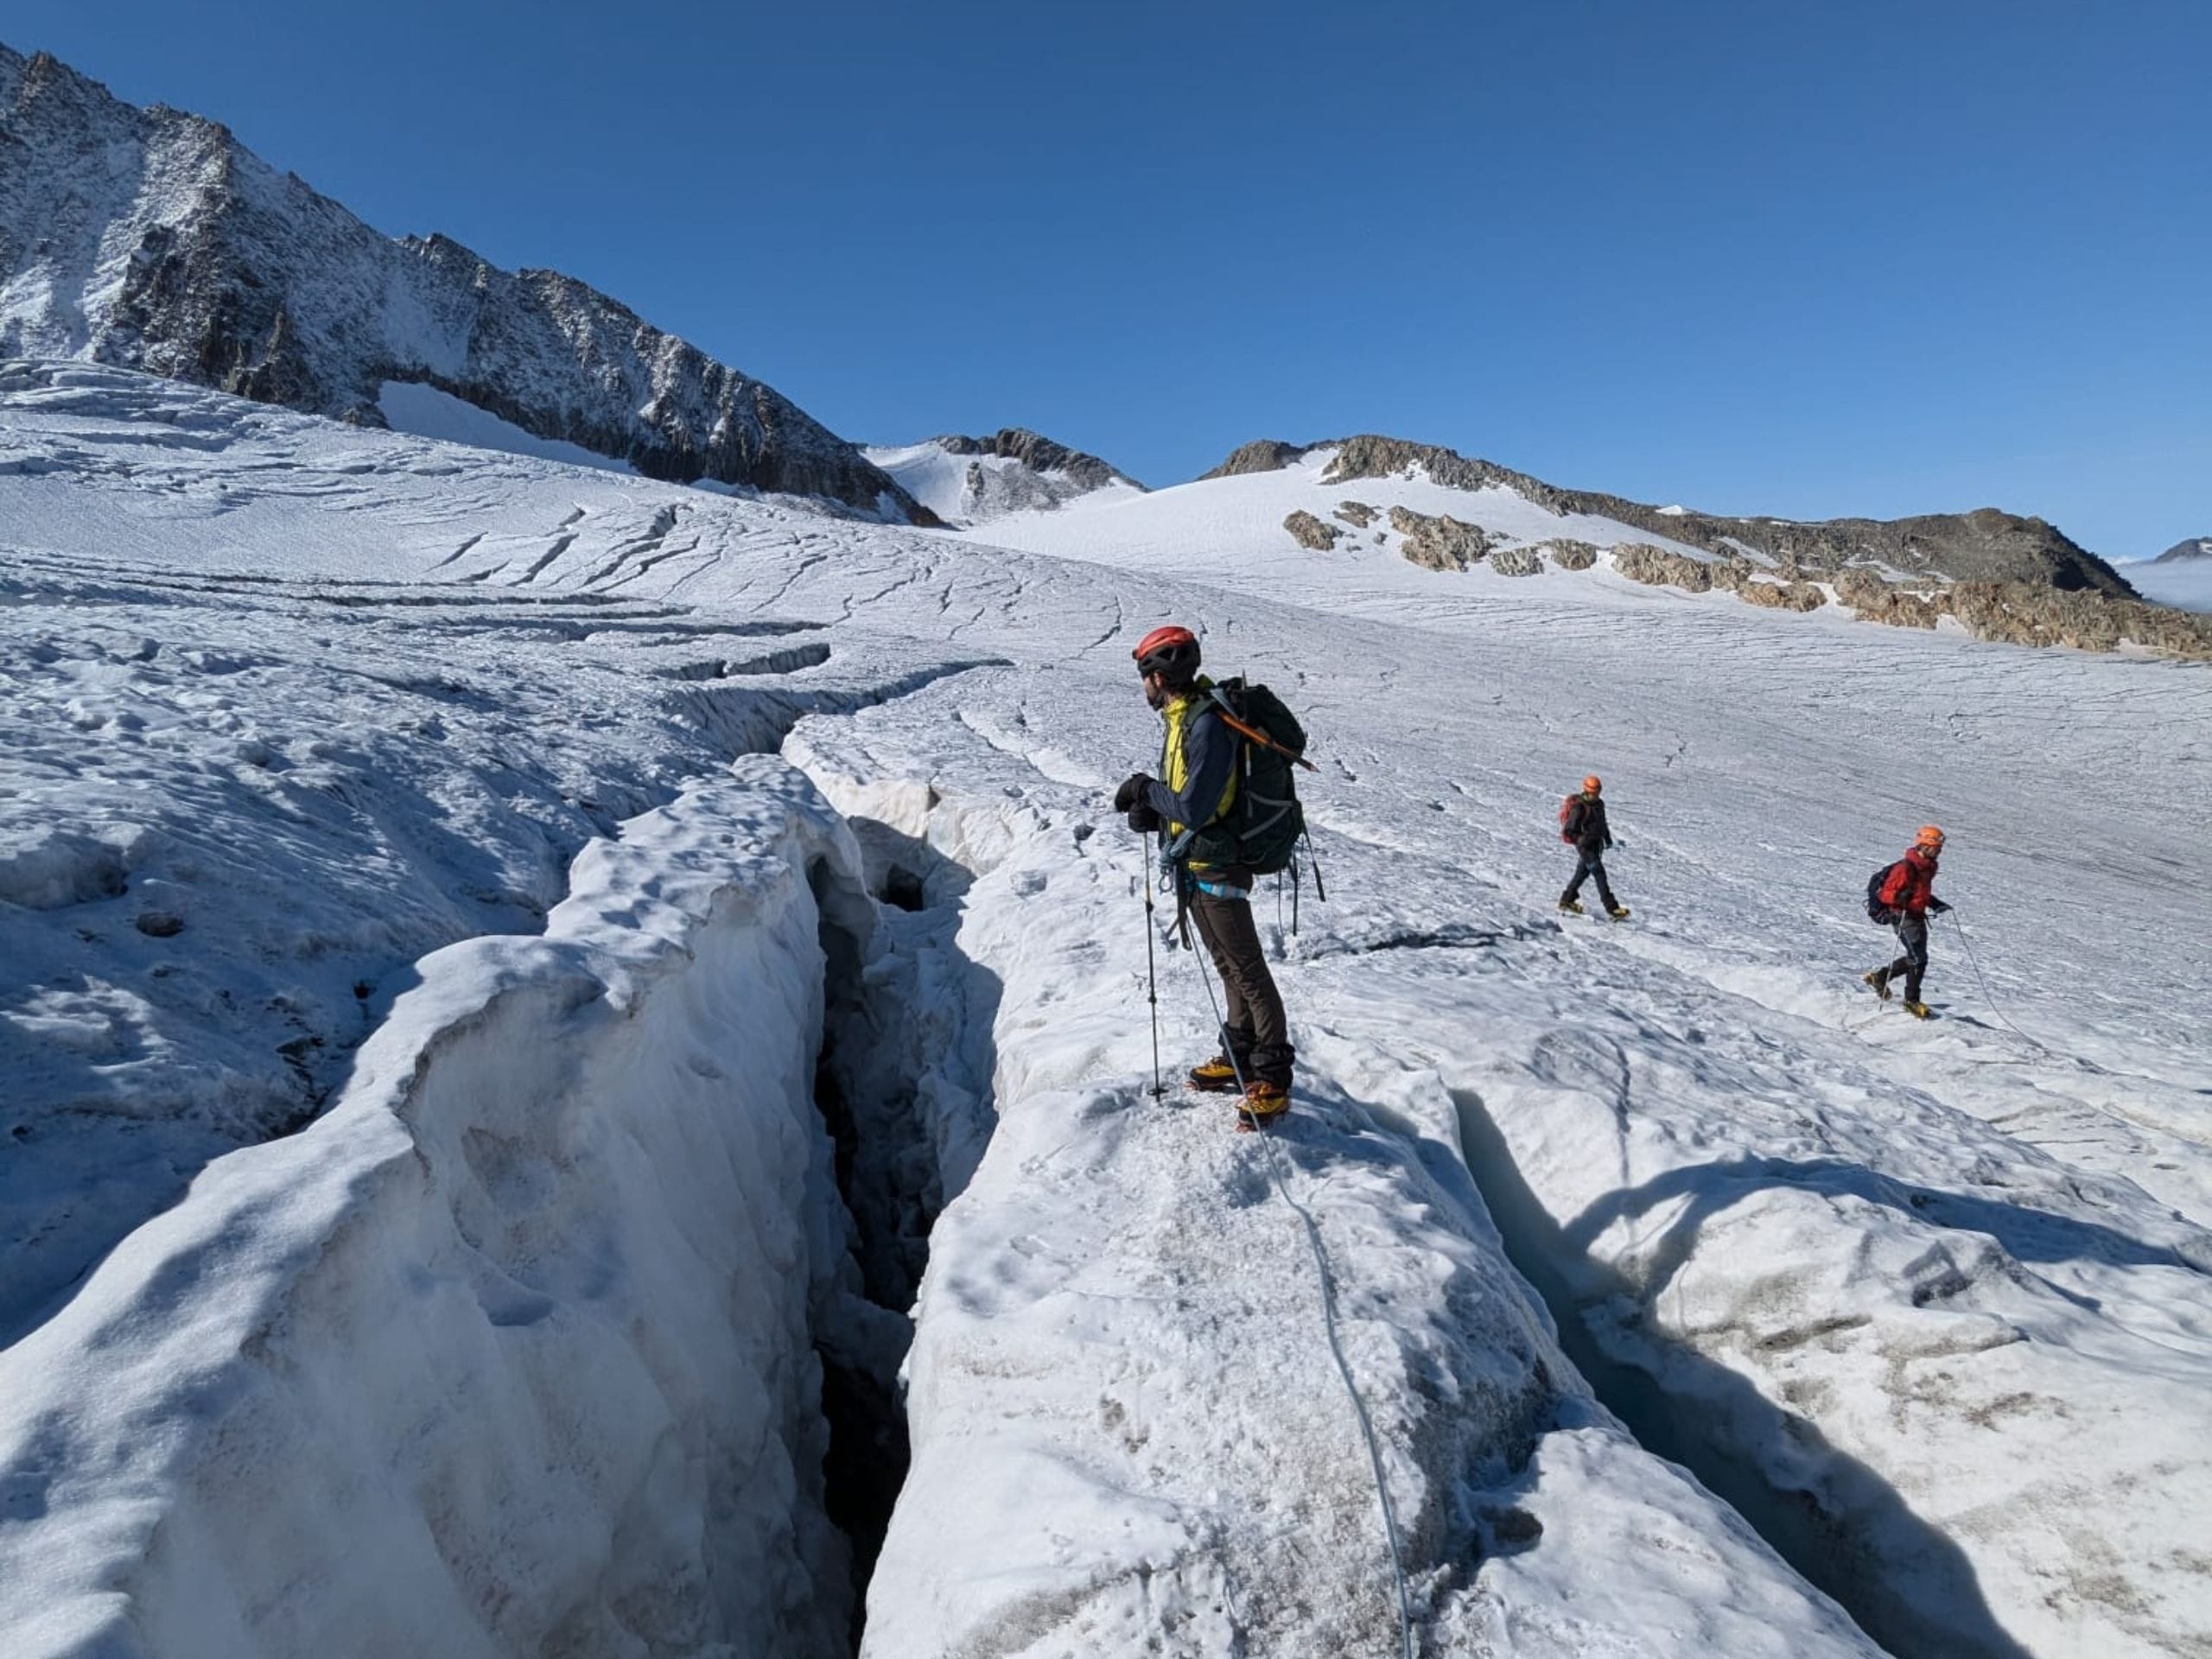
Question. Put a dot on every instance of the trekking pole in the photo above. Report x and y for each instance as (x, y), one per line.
(1151, 971)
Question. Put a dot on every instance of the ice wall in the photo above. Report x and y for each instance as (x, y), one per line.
(512, 1352)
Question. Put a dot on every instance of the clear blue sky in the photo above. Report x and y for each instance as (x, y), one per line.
(1768, 256)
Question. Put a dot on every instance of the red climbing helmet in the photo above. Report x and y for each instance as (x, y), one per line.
(1171, 653)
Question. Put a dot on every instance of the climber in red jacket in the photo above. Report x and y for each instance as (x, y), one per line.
(1907, 891)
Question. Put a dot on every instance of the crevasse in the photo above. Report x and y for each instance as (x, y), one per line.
(515, 1350)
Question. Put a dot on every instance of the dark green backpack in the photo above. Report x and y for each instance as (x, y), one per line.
(1264, 827)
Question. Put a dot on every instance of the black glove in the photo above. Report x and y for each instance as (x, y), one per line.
(1937, 908)
(1143, 819)
(1135, 790)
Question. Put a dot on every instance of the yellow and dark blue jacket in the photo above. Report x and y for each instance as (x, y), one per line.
(1195, 791)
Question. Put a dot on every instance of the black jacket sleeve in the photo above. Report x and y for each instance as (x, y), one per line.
(1209, 755)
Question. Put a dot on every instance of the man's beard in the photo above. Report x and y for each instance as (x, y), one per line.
(1155, 692)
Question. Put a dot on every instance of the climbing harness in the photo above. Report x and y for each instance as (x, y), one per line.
(1329, 1325)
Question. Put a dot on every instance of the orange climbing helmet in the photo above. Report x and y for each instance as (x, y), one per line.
(1930, 838)
(1172, 652)
(1593, 784)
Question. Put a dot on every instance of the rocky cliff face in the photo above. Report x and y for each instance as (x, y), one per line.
(152, 239)
(1982, 546)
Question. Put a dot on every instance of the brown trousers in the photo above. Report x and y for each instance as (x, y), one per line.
(1258, 1031)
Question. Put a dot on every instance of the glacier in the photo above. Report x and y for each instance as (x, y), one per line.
(756, 996)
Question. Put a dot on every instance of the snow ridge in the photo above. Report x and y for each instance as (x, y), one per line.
(489, 1317)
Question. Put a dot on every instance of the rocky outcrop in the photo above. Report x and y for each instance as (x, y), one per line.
(1263, 455)
(2197, 547)
(1571, 554)
(1308, 531)
(1782, 596)
(151, 239)
(1357, 514)
(1872, 600)
(1041, 454)
(2022, 614)
(1657, 567)
(1982, 545)
(1439, 544)
(1516, 562)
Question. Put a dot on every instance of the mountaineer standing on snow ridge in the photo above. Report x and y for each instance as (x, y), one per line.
(1582, 826)
(1903, 897)
(1194, 801)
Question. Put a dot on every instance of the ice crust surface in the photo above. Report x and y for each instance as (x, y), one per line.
(526, 1316)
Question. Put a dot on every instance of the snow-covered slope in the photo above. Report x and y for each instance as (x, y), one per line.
(1924, 1310)
(969, 481)
(1984, 546)
(1457, 536)
(152, 239)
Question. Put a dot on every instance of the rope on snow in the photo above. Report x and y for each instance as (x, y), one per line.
(1329, 1325)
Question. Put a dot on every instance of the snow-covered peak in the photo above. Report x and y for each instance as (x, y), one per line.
(152, 239)
(969, 481)
(2196, 547)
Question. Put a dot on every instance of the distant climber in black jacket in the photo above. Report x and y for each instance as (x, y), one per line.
(1582, 826)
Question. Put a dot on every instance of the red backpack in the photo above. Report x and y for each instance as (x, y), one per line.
(1566, 808)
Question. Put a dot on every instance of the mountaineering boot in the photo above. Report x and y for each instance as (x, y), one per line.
(1264, 1103)
(1570, 906)
(1918, 1011)
(1214, 1076)
(1879, 979)
(1618, 912)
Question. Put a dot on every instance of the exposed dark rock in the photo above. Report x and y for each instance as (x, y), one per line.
(1656, 565)
(153, 240)
(2023, 614)
(1042, 454)
(1782, 596)
(1872, 600)
(1570, 556)
(1357, 514)
(1265, 455)
(2197, 547)
(1516, 562)
(1439, 544)
(1309, 531)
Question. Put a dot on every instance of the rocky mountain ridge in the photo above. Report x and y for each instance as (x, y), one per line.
(152, 239)
(966, 481)
(2196, 547)
(1984, 546)
(1040, 453)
